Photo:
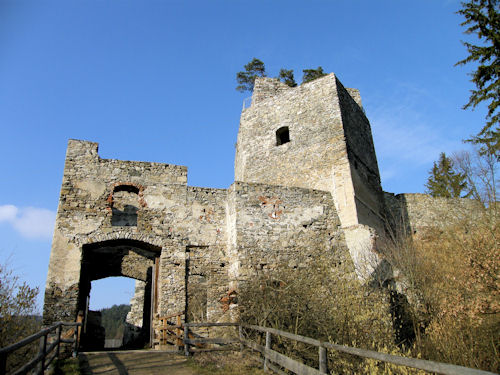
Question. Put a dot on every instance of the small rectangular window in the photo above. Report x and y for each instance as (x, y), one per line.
(282, 136)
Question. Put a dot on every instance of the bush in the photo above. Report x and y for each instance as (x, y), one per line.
(450, 275)
(17, 319)
(326, 301)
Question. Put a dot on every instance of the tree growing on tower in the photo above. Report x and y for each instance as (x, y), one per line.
(312, 74)
(246, 79)
(286, 76)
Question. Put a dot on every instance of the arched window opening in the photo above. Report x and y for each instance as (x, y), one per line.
(282, 136)
(128, 187)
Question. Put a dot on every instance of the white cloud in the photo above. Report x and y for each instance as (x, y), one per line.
(30, 222)
(8, 212)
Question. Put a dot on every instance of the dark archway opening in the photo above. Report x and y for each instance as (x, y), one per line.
(129, 258)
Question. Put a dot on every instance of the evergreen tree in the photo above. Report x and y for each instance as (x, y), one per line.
(482, 18)
(312, 74)
(286, 76)
(246, 79)
(113, 320)
(444, 181)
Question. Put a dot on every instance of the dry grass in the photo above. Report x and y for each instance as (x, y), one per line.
(451, 276)
(226, 364)
(69, 366)
(326, 301)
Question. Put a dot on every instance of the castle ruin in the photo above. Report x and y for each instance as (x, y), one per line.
(306, 177)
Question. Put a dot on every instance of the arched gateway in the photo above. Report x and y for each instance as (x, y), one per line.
(121, 257)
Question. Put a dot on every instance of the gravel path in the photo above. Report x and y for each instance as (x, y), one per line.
(134, 363)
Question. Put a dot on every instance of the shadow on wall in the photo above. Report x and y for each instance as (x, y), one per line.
(398, 221)
(400, 309)
(126, 217)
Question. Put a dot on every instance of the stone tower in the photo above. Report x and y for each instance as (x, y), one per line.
(315, 136)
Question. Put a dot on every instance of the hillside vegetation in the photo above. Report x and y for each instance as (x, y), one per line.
(113, 320)
(442, 304)
(451, 276)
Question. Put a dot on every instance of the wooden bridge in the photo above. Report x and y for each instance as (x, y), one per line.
(186, 338)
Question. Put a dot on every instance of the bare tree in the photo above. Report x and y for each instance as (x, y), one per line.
(17, 319)
(480, 171)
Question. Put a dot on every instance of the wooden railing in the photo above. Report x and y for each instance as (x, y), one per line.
(171, 332)
(201, 342)
(192, 343)
(43, 358)
(275, 361)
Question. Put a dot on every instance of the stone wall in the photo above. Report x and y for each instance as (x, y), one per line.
(364, 170)
(315, 131)
(135, 315)
(188, 247)
(413, 213)
(267, 87)
(277, 226)
(206, 256)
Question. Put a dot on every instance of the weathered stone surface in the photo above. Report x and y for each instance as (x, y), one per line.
(135, 315)
(413, 213)
(306, 180)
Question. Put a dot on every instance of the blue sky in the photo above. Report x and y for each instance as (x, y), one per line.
(155, 81)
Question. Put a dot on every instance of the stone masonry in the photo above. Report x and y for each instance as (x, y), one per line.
(306, 179)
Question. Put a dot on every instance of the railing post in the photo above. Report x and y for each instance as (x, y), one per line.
(43, 348)
(268, 347)
(59, 331)
(178, 331)
(75, 344)
(164, 332)
(323, 360)
(3, 363)
(186, 337)
(240, 334)
(78, 332)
